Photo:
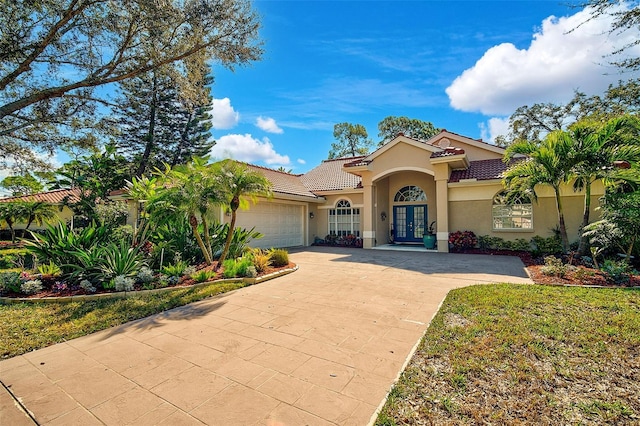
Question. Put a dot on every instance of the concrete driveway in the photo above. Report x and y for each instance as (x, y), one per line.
(320, 346)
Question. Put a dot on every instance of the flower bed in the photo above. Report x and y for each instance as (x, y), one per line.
(69, 294)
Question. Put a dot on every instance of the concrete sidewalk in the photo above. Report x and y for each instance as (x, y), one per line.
(320, 346)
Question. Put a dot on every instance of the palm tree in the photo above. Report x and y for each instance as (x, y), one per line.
(239, 183)
(10, 213)
(598, 148)
(548, 162)
(191, 191)
(36, 211)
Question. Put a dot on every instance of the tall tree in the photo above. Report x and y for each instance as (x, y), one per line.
(195, 124)
(160, 125)
(547, 163)
(351, 140)
(55, 53)
(391, 126)
(239, 182)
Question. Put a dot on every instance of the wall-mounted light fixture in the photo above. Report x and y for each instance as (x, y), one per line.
(311, 215)
(383, 216)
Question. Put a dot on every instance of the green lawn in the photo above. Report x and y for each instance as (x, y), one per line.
(28, 326)
(523, 354)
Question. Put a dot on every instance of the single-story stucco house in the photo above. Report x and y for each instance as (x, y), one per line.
(397, 191)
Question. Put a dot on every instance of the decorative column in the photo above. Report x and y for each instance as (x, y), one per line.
(368, 211)
(442, 200)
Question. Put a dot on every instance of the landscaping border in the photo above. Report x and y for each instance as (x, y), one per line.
(126, 294)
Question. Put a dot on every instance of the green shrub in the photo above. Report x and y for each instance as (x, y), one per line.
(10, 281)
(278, 257)
(203, 276)
(521, 244)
(554, 266)
(176, 269)
(617, 271)
(484, 242)
(236, 268)
(547, 246)
(16, 257)
(239, 241)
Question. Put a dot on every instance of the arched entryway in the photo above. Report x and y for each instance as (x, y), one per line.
(409, 214)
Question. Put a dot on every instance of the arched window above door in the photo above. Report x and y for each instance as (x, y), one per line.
(410, 193)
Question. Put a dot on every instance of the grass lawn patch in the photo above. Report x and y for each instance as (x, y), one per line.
(28, 326)
(525, 354)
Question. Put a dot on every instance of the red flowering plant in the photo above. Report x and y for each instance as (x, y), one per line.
(462, 240)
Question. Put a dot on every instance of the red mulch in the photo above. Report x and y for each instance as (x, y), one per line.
(581, 275)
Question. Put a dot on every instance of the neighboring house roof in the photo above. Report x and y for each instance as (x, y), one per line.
(330, 176)
(52, 197)
(480, 170)
(284, 183)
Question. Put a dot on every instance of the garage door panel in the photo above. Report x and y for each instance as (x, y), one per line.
(282, 224)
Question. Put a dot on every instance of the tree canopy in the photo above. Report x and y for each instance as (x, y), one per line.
(623, 19)
(391, 126)
(351, 140)
(535, 121)
(55, 54)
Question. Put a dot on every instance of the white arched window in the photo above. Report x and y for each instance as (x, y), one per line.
(344, 220)
(410, 193)
(512, 213)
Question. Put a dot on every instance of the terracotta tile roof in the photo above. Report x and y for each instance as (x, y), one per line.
(481, 170)
(329, 175)
(51, 197)
(448, 152)
(284, 183)
(358, 162)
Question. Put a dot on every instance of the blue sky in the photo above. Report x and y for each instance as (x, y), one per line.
(463, 65)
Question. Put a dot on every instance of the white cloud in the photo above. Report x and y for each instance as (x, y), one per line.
(268, 124)
(246, 148)
(495, 127)
(301, 161)
(566, 54)
(223, 116)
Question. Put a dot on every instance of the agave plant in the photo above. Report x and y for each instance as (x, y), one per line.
(60, 244)
(121, 259)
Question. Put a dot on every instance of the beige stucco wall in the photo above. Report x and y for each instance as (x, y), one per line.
(382, 205)
(402, 156)
(470, 209)
(63, 215)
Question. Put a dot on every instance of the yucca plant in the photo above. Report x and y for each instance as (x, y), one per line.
(121, 259)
